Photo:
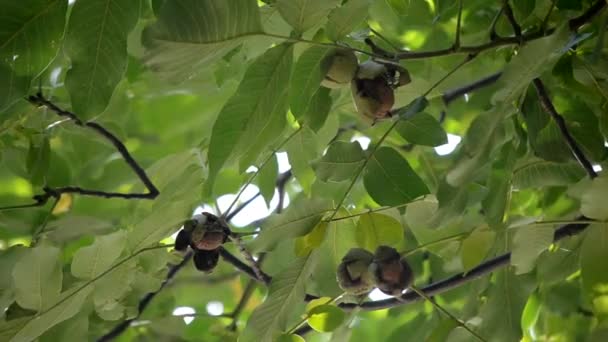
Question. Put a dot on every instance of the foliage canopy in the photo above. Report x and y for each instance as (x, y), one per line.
(487, 177)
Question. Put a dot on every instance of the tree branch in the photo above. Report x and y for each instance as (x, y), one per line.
(474, 49)
(243, 267)
(453, 94)
(508, 11)
(41, 199)
(591, 12)
(241, 305)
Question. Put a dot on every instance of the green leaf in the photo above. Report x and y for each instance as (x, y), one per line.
(341, 236)
(501, 314)
(540, 173)
(390, 180)
(309, 71)
(307, 243)
(475, 248)
(497, 199)
(57, 314)
(28, 43)
(89, 262)
(158, 220)
(290, 338)
(12, 86)
(299, 219)
(31, 34)
(38, 158)
(593, 201)
(375, 229)
(523, 8)
(593, 271)
(191, 34)
(71, 227)
(318, 109)
(422, 129)
(37, 278)
(304, 14)
(528, 244)
(413, 108)
(341, 161)
(530, 62)
(344, 19)
(251, 115)
(96, 43)
(111, 289)
(529, 317)
(267, 179)
(301, 150)
(285, 293)
(325, 318)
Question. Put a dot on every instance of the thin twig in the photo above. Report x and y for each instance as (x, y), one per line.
(293, 134)
(245, 253)
(451, 95)
(493, 34)
(547, 105)
(473, 49)
(243, 267)
(242, 206)
(545, 21)
(432, 243)
(508, 12)
(43, 225)
(458, 26)
(591, 12)
(241, 305)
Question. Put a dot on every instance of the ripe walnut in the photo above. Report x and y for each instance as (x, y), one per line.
(205, 234)
(353, 272)
(391, 273)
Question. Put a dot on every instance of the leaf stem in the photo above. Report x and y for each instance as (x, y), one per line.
(307, 316)
(228, 214)
(426, 245)
(447, 313)
(312, 42)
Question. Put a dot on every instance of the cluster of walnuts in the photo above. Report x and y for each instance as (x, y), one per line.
(372, 83)
(205, 234)
(360, 271)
